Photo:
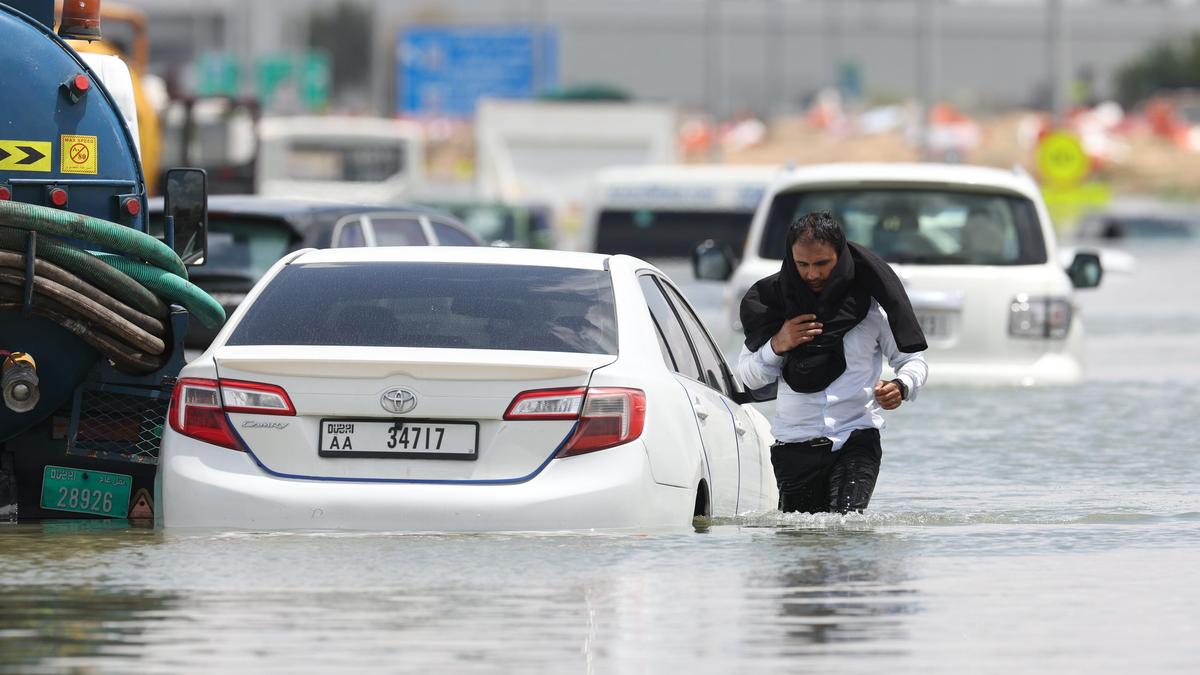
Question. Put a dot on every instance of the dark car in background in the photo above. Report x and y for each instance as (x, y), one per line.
(503, 224)
(1150, 224)
(247, 234)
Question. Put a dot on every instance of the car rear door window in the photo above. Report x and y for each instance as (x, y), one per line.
(711, 363)
(349, 234)
(682, 360)
(448, 235)
(419, 304)
(398, 231)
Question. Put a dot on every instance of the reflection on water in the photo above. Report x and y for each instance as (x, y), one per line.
(1045, 530)
(40, 625)
(61, 602)
(848, 588)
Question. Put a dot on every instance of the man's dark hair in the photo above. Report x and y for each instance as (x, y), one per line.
(817, 226)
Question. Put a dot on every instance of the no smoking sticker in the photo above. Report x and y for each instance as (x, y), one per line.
(78, 154)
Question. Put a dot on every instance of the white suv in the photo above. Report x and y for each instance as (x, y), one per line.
(973, 245)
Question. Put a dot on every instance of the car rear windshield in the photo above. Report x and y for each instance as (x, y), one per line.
(652, 233)
(920, 226)
(416, 304)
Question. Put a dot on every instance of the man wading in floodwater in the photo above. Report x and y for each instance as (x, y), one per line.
(821, 327)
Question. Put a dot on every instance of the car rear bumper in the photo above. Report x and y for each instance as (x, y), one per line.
(1048, 370)
(208, 486)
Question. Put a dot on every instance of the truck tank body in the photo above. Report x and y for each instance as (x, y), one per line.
(48, 140)
(87, 446)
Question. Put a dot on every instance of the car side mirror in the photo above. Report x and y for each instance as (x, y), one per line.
(185, 214)
(1085, 270)
(760, 395)
(712, 261)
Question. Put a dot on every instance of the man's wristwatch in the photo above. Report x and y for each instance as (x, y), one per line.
(903, 388)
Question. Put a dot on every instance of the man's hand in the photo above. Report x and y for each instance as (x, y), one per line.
(796, 331)
(888, 395)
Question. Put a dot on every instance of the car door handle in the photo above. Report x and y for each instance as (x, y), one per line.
(701, 411)
(739, 427)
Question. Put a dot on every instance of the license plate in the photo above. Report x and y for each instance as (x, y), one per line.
(934, 325)
(401, 438)
(85, 491)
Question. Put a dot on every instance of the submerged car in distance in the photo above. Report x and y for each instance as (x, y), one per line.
(973, 245)
(247, 234)
(462, 389)
(1137, 222)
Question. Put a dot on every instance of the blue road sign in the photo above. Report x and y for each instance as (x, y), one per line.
(443, 71)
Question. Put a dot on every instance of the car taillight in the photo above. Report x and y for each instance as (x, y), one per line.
(546, 404)
(198, 407)
(1039, 317)
(608, 416)
(255, 398)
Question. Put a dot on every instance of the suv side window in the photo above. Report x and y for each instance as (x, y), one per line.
(711, 363)
(679, 352)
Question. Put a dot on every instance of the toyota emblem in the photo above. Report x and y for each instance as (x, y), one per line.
(398, 400)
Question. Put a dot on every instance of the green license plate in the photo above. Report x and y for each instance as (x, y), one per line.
(85, 491)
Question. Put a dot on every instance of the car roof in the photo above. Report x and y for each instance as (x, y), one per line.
(299, 214)
(455, 254)
(957, 175)
(254, 205)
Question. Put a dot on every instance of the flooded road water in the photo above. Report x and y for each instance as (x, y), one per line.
(1013, 530)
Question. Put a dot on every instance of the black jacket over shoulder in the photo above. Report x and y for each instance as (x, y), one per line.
(858, 276)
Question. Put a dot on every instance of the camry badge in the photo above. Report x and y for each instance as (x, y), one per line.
(398, 400)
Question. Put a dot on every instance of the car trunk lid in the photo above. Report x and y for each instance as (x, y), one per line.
(357, 396)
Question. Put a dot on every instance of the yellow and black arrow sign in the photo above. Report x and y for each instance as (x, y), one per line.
(25, 155)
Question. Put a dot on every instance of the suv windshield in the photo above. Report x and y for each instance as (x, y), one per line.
(653, 233)
(921, 226)
(350, 162)
(417, 304)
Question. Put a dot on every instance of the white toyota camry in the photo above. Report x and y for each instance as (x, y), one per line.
(461, 389)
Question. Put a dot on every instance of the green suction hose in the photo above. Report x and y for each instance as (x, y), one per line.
(89, 269)
(70, 225)
(167, 285)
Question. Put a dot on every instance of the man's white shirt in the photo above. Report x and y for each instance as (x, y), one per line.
(849, 402)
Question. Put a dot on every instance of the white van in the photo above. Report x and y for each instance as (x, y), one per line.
(655, 212)
(973, 245)
(349, 159)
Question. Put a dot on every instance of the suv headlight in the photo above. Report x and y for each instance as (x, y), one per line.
(1039, 317)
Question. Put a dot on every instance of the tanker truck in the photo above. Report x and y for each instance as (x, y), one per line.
(93, 308)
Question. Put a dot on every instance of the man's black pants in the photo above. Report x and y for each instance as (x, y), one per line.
(812, 479)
